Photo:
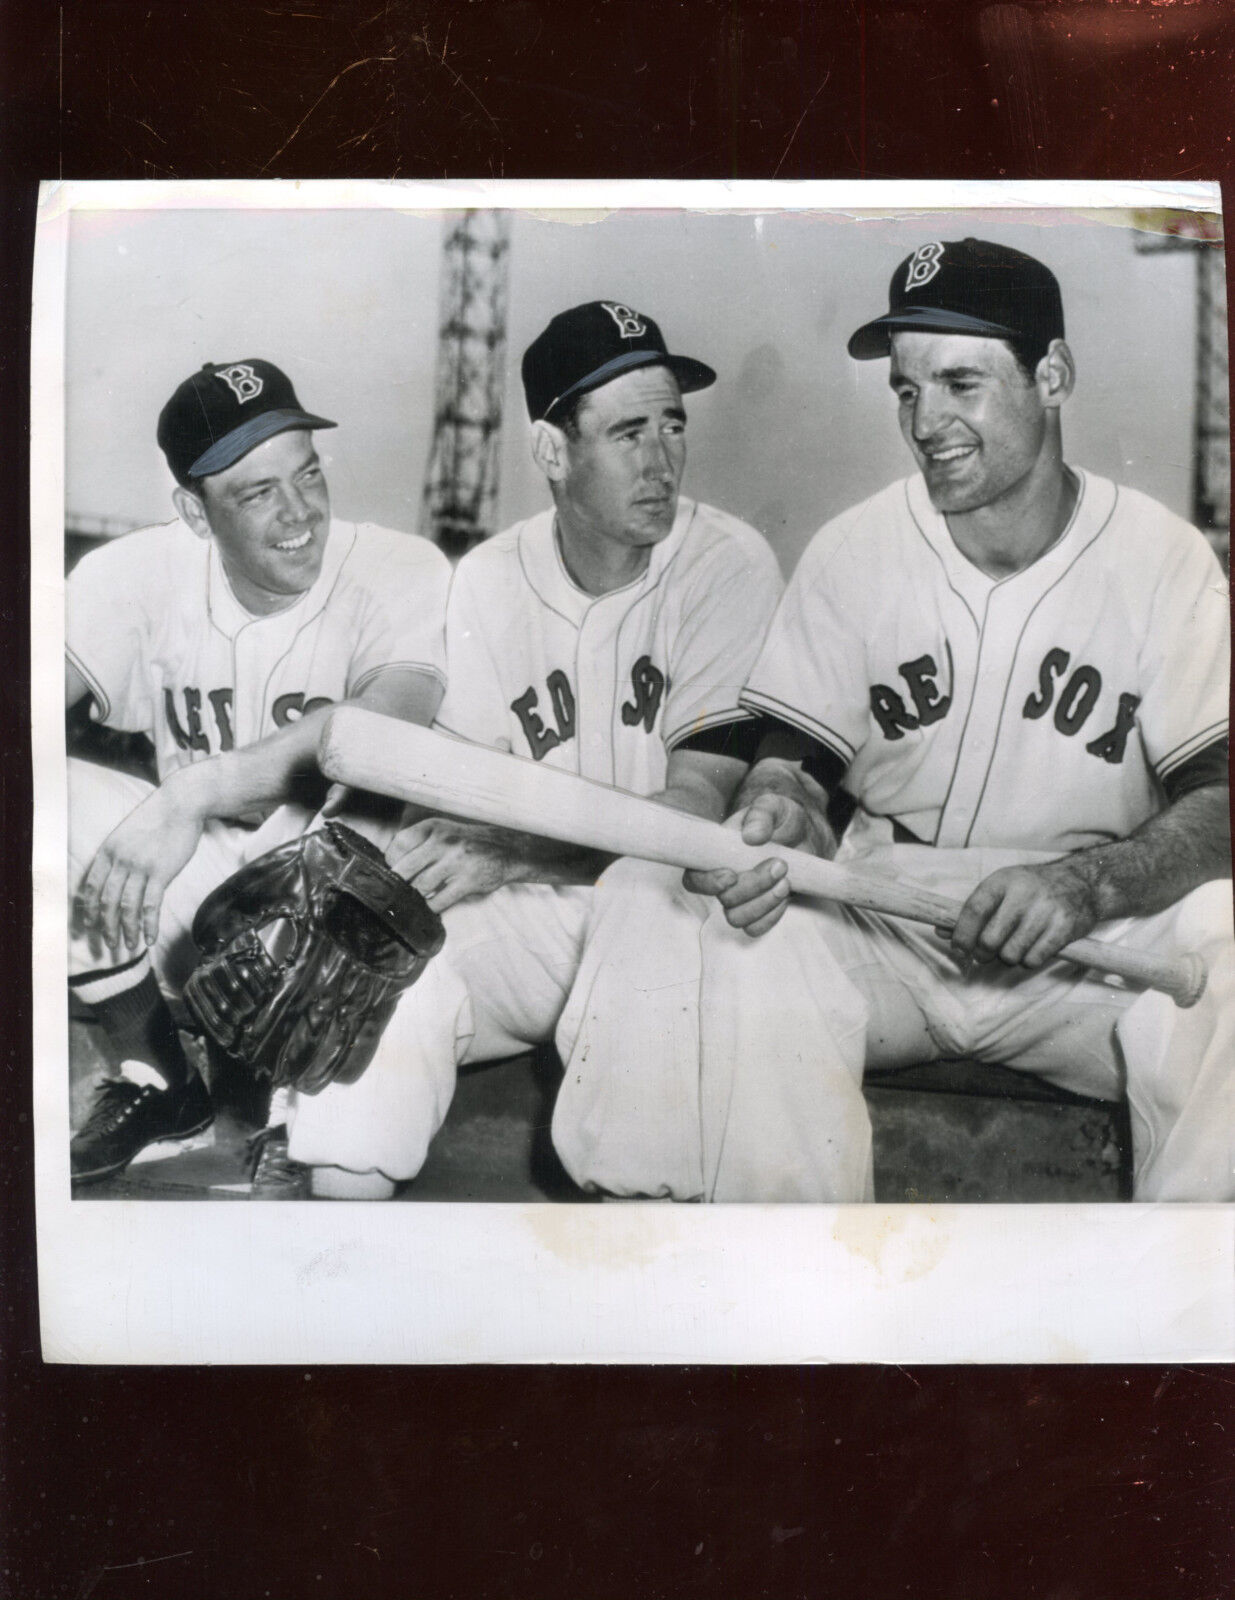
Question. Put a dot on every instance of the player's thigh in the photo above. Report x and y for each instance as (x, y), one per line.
(824, 969)
(516, 953)
(900, 989)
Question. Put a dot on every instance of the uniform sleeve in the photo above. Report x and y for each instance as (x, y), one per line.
(107, 632)
(725, 615)
(811, 670)
(404, 614)
(474, 705)
(1186, 663)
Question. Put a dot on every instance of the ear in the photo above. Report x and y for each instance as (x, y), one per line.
(549, 450)
(192, 511)
(1056, 374)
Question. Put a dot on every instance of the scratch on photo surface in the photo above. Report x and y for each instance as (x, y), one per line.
(96, 1573)
(423, 39)
(364, 61)
(799, 122)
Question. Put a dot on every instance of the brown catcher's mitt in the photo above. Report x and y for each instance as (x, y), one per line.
(304, 953)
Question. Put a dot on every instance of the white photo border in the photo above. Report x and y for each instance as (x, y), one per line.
(147, 1282)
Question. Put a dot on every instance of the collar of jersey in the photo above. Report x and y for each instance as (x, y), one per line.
(230, 617)
(545, 570)
(1094, 499)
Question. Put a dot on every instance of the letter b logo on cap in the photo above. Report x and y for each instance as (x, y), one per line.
(630, 323)
(241, 379)
(923, 265)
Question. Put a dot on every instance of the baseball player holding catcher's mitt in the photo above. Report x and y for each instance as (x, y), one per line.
(225, 637)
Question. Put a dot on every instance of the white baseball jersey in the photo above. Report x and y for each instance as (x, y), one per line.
(1045, 710)
(167, 650)
(606, 685)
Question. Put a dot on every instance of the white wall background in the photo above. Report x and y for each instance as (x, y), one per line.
(793, 432)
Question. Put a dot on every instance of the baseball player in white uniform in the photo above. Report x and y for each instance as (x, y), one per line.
(1020, 672)
(224, 636)
(608, 636)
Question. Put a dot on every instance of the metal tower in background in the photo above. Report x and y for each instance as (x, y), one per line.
(1211, 479)
(1201, 234)
(461, 479)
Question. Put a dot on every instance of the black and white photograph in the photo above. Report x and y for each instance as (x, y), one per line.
(710, 701)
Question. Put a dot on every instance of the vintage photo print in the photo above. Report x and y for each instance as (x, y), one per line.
(709, 697)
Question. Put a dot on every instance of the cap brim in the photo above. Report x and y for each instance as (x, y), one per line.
(690, 374)
(225, 452)
(873, 339)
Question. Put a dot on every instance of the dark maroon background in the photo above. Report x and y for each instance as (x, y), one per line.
(859, 1483)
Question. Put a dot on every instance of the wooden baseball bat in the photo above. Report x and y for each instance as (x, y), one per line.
(387, 756)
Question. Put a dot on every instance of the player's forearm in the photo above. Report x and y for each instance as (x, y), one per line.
(694, 795)
(1166, 858)
(701, 783)
(549, 861)
(237, 781)
(262, 773)
(532, 859)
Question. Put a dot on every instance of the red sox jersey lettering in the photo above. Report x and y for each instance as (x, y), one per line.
(1076, 701)
(214, 734)
(648, 685)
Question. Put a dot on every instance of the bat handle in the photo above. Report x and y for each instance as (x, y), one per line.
(1182, 977)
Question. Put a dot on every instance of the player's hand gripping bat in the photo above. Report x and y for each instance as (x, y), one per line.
(387, 756)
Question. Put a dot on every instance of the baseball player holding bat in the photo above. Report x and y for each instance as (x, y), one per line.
(607, 636)
(1020, 672)
(224, 636)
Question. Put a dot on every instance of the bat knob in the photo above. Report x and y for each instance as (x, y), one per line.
(1189, 985)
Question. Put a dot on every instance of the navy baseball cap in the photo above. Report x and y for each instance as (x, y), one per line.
(592, 344)
(967, 286)
(223, 411)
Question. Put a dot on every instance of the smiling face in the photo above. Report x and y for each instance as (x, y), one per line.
(977, 426)
(623, 466)
(269, 514)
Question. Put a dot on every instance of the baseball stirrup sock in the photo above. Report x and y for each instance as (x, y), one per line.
(130, 1005)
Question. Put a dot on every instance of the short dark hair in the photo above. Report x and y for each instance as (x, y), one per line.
(1027, 353)
(567, 417)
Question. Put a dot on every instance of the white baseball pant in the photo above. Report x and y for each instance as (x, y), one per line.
(787, 1023)
(504, 981)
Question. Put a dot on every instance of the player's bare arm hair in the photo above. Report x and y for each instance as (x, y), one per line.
(1167, 857)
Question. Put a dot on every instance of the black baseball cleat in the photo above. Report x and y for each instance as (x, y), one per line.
(275, 1175)
(126, 1117)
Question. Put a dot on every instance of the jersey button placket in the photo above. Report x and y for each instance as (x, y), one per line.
(247, 714)
(595, 692)
(996, 652)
